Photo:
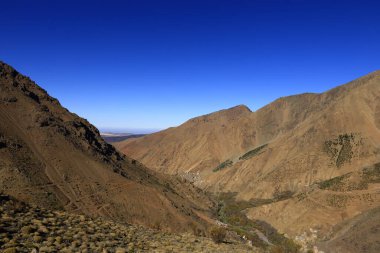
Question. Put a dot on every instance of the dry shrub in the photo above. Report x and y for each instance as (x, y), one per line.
(218, 234)
(157, 225)
(197, 231)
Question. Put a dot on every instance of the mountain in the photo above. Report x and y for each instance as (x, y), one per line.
(282, 158)
(118, 137)
(54, 159)
(195, 145)
(358, 234)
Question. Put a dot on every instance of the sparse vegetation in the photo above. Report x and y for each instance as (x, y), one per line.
(337, 201)
(340, 149)
(218, 234)
(290, 247)
(333, 184)
(345, 183)
(232, 213)
(24, 229)
(277, 196)
(196, 230)
(253, 152)
(225, 164)
(372, 174)
(301, 196)
(282, 195)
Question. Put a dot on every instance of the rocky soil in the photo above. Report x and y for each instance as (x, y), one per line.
(26, 228)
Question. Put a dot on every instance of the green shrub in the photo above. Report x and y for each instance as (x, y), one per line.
(278, 196)
(372, 175)
(253, 152)
(334, 184)
(225, 164)
(231, 211)
(340, 149)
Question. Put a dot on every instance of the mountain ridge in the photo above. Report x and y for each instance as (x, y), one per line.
(307, 138)
(52, 158)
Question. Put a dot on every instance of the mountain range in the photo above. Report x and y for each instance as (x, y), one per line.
(304, 167)
(304, 163)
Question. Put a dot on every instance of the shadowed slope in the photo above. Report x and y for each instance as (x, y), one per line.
(55, 159)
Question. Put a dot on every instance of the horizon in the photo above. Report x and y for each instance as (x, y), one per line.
(127, 130)
(147, 66)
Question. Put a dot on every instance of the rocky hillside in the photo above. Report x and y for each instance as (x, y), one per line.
(276, 157)
(52, 158)
(30, 229)
(359, 234)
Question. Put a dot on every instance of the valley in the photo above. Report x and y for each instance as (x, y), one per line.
(283, 159)
(197, 126)
(54, 165)
(274, 180)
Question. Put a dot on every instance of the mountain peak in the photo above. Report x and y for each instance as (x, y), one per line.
(230, 113)
(241, 108)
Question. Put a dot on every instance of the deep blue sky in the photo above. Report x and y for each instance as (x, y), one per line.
(154, 64)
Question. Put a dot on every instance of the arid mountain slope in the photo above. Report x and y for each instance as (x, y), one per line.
(359, 234)
(55, 159)
(30, 229)
(283, 149)
(196, 144)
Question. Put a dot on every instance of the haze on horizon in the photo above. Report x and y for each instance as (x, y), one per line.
(133, 65)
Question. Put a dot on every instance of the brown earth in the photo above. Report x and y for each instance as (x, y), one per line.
(284, 149)
(55, 159)
(358, 234)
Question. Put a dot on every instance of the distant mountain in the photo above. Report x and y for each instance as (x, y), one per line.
(118, 137)
(288, 159)
(52, 158)
(110, 134)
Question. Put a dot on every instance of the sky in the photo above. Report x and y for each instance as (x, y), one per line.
(146, 65)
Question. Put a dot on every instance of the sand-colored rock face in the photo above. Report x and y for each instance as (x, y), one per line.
(295, 142)
(55, 159)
